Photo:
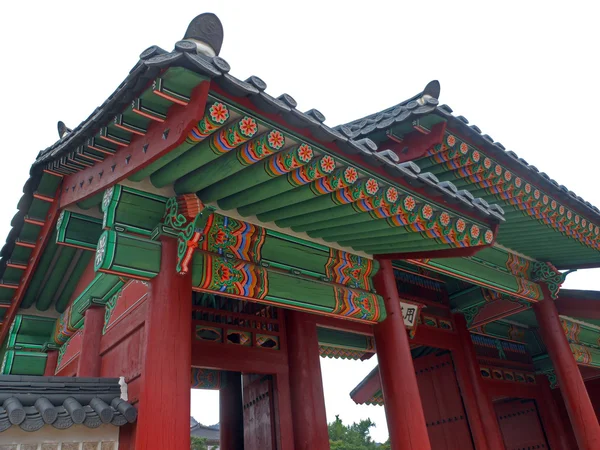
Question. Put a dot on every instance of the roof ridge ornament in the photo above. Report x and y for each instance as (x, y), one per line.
(206, 31)
(63, 130)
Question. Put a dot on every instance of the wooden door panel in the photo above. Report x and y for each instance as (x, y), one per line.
(520, 425)
(447, 424)
(258, 413)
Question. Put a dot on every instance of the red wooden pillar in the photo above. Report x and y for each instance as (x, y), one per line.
(550, 415)
(403, 408)
(306, 384)
(231, 413)
(581, 413)
(469, 397)
(164, 406)
(487, 413)
(51, 361)
(89, 358)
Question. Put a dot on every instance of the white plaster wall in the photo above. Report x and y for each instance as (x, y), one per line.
(78, 437)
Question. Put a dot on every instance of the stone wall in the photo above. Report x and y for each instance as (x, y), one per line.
(78, 437)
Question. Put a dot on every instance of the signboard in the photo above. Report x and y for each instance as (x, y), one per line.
(410, 314)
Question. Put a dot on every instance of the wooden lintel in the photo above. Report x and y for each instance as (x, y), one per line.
(43, 238)
(459, 252)
(343, 325)
(578, 307)
(238, 358)
(416, 144)
(434, 337)
(142, 151)
(368, 388)
(504, 389)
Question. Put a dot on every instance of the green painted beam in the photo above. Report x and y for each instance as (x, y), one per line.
(253, 151)
(318, 168)
(277, 165)
(77, 230)
(131, 210)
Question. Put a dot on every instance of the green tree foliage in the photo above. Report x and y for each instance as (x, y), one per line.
(198, 443)
(352, 437)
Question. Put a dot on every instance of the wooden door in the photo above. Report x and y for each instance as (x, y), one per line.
(259, 429)
(520, 425)
(447, 423)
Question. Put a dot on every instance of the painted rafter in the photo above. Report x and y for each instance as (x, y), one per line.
(467, 166)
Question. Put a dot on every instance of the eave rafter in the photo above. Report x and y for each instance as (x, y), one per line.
(466, 166)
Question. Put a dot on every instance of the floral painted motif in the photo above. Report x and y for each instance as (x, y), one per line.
(276, 139)
(372, 186)
(224, 235)
(487, 163)
(460, 225)
(248, 126)
(219, 113)
(351, 175)
(409, 203)
(427, 212)
(305, 153)
(489, 237)
(391, 194)
(474, 231)
(327, 164)
(349, 270)
(357, 304)
(450, 140)
(464, 148)
(445, 219)
(234, 277)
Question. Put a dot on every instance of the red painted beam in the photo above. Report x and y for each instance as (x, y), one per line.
(51, 361)
(578, 307)
(234, 357)
(504, 389)
(343, 325)
(90, 360)
(34, 259)
(160, 139)
(306, 384)
(577, 401)
(367, 388)
(415, 145)
(433, 337)
(164, 406)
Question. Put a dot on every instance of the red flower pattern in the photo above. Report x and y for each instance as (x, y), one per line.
(305, 153)
(248, 126)
(451, 140)
(464, 148)
(460, 225)
(427, 211)
(474, 231)
(444, 219)
(391, 195)
(327, 164)
(476, 156)
(350, 175)
(219, 113)
(489, 236)
(372, 186)
(276, 139)
(409, 203)
(487, 163)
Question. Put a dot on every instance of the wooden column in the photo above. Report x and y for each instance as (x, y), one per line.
(51, 361)
(306, 384)
(403, 408)
(164, 406)
(469, 397)
(578, 404)
(89, 358)
(231, 413)
(484, 402)
(551, 420)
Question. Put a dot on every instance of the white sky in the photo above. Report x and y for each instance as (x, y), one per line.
(525, 72)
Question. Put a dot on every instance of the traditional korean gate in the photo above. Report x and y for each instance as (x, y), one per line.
(520, 424)
(259, 416)
(447, 424)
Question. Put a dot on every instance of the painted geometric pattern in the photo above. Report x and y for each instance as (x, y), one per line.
(215, 117)
(341, 353)
(223, 235)
(517, 265)
(233, 277)
(350, 270)
(261, 147)
(356, 304)
(582, 354)
(206, 379)
(571, 330)
(469, 164)
(286, 161)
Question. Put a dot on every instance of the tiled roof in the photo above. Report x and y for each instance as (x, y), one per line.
(365, 127)
(31, 402)
(154, 60)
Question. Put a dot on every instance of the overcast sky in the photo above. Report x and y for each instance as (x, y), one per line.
(525, 72)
